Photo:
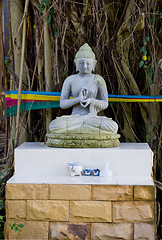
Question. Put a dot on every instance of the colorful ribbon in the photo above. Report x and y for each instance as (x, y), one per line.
(31, 100)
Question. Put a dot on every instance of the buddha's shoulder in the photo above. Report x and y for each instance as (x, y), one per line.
(100, 79)
(71, 78)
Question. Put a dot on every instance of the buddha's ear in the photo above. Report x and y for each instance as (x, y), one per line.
(95, 61)
(76, 64)
(75, 60)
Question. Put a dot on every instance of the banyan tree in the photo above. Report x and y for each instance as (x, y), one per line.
(125, 36)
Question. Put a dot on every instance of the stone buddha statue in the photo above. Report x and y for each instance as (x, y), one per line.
(87, 94)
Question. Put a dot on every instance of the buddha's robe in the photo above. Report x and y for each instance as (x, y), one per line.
(78, 123)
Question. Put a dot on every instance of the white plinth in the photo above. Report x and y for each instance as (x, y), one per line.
(130, 164)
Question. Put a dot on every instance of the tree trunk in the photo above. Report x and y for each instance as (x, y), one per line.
(48, 67)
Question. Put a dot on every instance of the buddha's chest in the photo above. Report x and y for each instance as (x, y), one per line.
(79, 84)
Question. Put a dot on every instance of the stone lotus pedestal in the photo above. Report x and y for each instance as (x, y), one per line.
(52, 205)
(82, 141)
(75, 131)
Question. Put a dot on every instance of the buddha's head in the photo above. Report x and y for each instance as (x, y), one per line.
(85, 59)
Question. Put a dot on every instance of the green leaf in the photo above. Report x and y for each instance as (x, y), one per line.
(147, 137)
(48, 19)
(151, 82)
(1, 233)
(142, 49)
(1, 218)
(149, 75)
(145, 66)
(53, 11)
(7, 61)
(147, 38)
(150, 128)
(141, 64)
(43, 5)
(41, 9)
(20, 225)
(151, 69)
(55, 33)
(64, 73)
(9, 51)
(15, 229)
(9, 70)
(2, 206)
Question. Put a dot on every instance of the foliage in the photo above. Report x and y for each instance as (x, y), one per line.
(2, 211)
(125, 36)
(16, 227)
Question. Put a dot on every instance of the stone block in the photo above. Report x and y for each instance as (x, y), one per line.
(134, 211)
(70, 192)
(144, 231)
(108, 192)
(15, 209)
(111, 231)
(90, 211)
(144, 193)
(26, 191)
(31, 230)
(70, 231)
(47, 210)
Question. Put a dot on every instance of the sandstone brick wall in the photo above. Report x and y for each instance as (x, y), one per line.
(96, 212)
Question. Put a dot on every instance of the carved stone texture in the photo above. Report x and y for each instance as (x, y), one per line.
(82, 141)
(144, 231)
(108, 192)
(144, 192)
(90, 211)
(70, 192)
(111, 231)
(48, 210)
(15, 209)
(69, 231)
(31, 230)
(26, 191)
(134, 211)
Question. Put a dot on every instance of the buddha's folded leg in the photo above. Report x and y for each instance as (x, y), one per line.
(101, 122)
(109, 125)
(64, 123)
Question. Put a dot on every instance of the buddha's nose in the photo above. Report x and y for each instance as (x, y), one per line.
(85, 64)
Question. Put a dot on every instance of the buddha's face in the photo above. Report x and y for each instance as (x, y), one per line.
(85, 65)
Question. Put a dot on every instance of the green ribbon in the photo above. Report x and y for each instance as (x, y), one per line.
(30, 106)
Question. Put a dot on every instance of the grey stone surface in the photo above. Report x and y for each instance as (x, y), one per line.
(144, 231)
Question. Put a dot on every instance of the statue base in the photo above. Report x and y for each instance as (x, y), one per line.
(82, 141)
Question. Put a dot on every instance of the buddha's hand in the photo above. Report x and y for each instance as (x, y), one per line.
(84, 97)
(83, 94)
(85, 103)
